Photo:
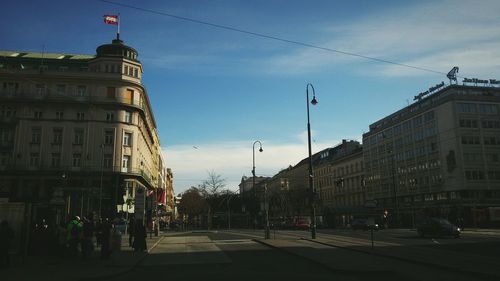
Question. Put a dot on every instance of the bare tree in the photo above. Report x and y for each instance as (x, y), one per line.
(192, 203)
(211, 188)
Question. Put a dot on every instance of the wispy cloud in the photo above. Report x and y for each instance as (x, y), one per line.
(233, 159)
(437, 35)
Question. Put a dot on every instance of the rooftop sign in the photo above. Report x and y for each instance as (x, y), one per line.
(431, 89)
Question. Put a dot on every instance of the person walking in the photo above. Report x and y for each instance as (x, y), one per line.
(106, 239)
(140, 237)
(62, 242)
(74, 235)
(6, 237)
(131, 232)
(88, 234)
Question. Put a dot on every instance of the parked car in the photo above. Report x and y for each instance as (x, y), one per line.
(437, 227)
(302, 226)
(363, 224)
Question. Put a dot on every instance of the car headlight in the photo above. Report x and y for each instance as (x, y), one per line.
(458, 229)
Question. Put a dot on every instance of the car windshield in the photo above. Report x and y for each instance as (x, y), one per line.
(443, 221)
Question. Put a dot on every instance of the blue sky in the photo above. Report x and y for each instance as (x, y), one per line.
(221, 90)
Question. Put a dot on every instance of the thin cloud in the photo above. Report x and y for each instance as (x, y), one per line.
(233, 160)
(424, 36)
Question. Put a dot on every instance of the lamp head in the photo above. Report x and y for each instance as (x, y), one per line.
(260, 149)
(314, 101)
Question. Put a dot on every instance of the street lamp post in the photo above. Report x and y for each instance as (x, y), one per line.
(311, 183)
(100, 184)
(266, 236)
(396, 206)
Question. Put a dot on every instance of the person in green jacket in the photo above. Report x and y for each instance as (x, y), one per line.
(74, 235)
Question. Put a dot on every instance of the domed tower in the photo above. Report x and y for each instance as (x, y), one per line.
(117, 59)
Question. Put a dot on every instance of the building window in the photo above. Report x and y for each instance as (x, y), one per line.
(61, 89)
(110, 93)
(56, 160)
(4, 158)
(36, 134)
(81, 91)
(110, 116)
(77, 160)
(474, 175)
(494, 175)
(492, 157)
(128, 117)
(429, 116)
(40, 89)
(470, 140)
(57, 136)
(125, 163)
(488, 108)
(125, 69)
(491, 141)
(468, 123)
(38, 115)
(466, 107)
(78, 136)
(136, 72)
(10, 87)
(108, 160)
(127, 139)
(59, 115)
(490, 124)
(109, 136)
(80, 115)
(34, 159)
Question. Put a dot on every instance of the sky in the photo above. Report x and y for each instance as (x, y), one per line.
(215, 91)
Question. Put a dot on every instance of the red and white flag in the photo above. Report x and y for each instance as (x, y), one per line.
(111, 19)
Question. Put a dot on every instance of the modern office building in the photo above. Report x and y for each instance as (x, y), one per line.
(77, 132)
(438, 156)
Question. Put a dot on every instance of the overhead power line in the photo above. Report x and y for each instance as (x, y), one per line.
(272, 37)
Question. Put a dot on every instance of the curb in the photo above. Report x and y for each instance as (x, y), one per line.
(124, 271)
(438, 266)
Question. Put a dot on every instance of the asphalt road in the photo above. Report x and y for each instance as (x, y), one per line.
(233, 255)
(225, 256)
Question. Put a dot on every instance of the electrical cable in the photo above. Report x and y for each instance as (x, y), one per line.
(272, 37)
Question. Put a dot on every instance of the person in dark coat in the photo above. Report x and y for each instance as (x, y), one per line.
(6, 237)
(131, 232)
(88, 233)
(140, 237)
(105, 239)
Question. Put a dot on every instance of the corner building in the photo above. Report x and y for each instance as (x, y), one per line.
(77, 133)
(437, 157)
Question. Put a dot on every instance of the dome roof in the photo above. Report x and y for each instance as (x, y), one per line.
(117, 49)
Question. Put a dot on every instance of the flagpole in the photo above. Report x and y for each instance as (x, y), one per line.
(118, 31)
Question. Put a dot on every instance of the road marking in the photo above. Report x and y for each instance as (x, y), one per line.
(435, 241)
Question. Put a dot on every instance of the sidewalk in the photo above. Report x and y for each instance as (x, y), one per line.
(75, 268)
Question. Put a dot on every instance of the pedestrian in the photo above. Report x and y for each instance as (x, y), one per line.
(62, 242)
(105, 239)
(6, 237)
(140, 237)
(98, 232)
(131, 230)
(74, 230)
(88, 234)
